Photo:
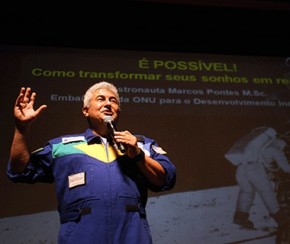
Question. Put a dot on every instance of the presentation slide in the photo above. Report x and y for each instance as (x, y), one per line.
(209, 112)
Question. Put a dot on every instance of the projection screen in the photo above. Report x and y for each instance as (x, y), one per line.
(196, 106)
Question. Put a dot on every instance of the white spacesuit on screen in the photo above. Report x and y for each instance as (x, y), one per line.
(265, 154)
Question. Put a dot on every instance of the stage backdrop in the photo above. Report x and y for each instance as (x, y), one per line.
(196, 106)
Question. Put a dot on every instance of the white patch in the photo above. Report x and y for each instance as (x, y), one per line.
(141, 146)
(76, 179)
(72, 139)
(158, 150)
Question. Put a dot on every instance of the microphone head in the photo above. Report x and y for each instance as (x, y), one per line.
(108, 119)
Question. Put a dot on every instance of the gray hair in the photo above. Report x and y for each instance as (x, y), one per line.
(98, 86)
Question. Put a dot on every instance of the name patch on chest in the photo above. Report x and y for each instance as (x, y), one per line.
(76, 179)
(72, 139)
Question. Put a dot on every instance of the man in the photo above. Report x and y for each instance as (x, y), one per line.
(101, 191)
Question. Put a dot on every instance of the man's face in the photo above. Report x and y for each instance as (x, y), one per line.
(103, 103)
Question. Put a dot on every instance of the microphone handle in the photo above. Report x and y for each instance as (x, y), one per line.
(120, 146)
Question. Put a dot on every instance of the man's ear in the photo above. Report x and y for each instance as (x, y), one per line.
(85, 111)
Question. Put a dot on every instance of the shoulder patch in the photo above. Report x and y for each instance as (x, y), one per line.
(158, 150)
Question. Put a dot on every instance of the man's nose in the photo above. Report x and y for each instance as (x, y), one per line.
(108, 102)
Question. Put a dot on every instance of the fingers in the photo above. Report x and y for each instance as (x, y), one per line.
(40, 109)
(31, 101)
(20, 96)
(27, 95)
(26, 100)
(125, 137)
(24, 96)
(30, 98)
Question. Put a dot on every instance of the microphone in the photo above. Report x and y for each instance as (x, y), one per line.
(110, 124)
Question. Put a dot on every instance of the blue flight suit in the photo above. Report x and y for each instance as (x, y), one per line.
(101, 192)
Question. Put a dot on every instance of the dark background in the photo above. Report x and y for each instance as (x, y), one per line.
(223, 27)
